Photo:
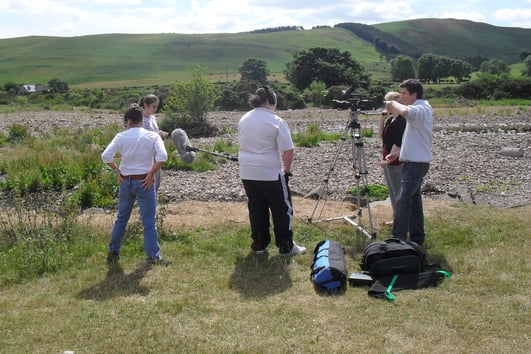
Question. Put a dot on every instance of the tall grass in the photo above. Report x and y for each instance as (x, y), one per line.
(38, 244)
(68, 162)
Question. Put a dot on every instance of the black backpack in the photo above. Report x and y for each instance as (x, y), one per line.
(329, 271)
(393, 256)
(394, 264)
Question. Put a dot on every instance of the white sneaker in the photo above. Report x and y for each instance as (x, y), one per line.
(294, 251)
(261, 252)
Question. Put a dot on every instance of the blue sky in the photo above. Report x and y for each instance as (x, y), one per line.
(84, 17)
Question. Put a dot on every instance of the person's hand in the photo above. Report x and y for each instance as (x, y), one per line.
(287, 176)
(163, 134)
(148, 181)
(390, 108)
(394, 154)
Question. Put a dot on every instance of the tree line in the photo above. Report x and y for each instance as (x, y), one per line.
(317, 76)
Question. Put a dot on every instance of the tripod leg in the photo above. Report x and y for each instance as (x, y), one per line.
(361, 179)
(323, 190)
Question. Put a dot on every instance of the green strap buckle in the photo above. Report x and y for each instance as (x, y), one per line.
(445, 273)
(388, 295)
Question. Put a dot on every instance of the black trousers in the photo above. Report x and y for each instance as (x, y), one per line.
(275, 197)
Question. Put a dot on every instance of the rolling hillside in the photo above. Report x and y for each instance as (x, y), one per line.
(140, 59)
(161, 57)
(462, 39)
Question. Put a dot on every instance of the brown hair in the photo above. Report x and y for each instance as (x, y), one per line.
(133, 114)
(262, 95)
(148, 99)
(413, 86)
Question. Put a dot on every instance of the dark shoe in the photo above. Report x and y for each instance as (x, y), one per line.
(420, 244)
(113, 256)
(157, 261)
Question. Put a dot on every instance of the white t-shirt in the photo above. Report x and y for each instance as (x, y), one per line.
(417, 138)
(262, 137)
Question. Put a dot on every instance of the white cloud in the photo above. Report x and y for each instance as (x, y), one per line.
(472, 16)
(518, 17)
(66, 18)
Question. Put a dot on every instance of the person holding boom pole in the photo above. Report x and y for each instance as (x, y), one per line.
(265, 158)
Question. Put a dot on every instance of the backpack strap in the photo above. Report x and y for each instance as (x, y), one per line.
(382, 288)
(388, 294)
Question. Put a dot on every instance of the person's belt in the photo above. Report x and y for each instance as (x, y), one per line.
(135, 176)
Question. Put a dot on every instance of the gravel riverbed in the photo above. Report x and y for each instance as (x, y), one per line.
(482, 158)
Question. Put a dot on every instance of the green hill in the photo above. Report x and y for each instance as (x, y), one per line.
(139, 59)
(461, 38)
(161, 57)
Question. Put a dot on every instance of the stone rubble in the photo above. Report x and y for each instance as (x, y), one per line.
(470, 163)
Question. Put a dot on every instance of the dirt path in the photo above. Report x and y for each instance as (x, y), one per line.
(189, 214)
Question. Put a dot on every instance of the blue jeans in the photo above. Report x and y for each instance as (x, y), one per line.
(131, 190)
(393, 174)
(409, 215)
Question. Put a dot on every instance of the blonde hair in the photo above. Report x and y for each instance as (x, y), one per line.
(392, 96)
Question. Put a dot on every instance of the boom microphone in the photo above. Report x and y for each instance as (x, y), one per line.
(182, 143)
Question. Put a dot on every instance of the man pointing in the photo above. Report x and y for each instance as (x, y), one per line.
(416, 155)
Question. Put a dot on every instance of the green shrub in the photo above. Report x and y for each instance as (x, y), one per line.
(312, 136)
(374, 191)
(18, 132)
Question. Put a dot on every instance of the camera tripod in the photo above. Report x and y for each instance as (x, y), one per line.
(359, 163)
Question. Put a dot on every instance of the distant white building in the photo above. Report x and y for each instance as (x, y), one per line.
(27, 89)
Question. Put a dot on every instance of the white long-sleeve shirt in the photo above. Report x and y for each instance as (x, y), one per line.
(137, 146)
(417, 138)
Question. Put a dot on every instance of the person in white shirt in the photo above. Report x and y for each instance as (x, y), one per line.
(150, 104)
(142, 154)
(416, 155)
(265, 158)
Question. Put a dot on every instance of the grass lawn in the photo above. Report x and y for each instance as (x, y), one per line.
(218, 297)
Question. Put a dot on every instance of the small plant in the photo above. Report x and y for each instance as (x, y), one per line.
(367, 132)
(312, 136)
(18, 132)
(374, 191)
(224, 146)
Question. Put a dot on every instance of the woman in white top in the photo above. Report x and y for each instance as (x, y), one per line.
(265, 158)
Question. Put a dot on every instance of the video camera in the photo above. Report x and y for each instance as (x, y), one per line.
(361, 104)
(354, 101)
